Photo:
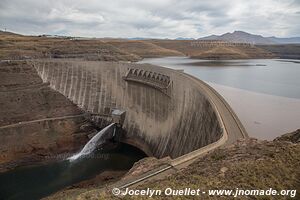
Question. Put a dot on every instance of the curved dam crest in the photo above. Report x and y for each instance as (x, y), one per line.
(168, 117)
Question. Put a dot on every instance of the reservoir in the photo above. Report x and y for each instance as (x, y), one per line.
(264, 93)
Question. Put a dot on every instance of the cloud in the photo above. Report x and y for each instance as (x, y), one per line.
(150, 18)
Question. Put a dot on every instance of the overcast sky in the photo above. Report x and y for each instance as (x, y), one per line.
(150, 18)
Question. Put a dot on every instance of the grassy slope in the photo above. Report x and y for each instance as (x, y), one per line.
(255, 166)
(200, 49)
(249, 164)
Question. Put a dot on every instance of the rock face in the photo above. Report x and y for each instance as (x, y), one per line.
(25, 97)
(167, 114)
(35, 120)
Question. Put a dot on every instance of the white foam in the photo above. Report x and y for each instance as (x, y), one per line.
(91, 145)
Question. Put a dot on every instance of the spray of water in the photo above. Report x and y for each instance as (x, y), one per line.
(92, 144)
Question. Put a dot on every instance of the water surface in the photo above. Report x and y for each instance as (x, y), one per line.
(264, 93)
(35, 182)
(268, 76)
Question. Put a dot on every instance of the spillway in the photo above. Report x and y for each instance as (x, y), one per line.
(93, 143)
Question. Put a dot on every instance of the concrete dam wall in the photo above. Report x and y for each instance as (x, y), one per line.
(167, 113)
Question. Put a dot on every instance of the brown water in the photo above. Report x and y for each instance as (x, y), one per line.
(264, 116)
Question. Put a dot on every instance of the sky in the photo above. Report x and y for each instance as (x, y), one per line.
(150, 18)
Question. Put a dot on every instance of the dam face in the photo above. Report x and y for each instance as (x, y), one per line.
(167, 113)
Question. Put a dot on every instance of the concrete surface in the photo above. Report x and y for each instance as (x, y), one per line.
(191, 117)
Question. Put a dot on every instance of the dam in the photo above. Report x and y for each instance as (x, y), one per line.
(157, 111)
(168, 113)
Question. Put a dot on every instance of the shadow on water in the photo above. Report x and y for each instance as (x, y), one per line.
(36, 182)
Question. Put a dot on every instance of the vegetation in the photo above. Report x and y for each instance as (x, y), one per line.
(249, 164)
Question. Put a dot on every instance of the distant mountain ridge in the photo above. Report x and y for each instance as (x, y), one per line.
(241, 36)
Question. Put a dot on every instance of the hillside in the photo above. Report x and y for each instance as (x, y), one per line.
(24, 99)
(143, 48)
(14, 46)
(207, 50)
(284, 51)
(233, 53)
